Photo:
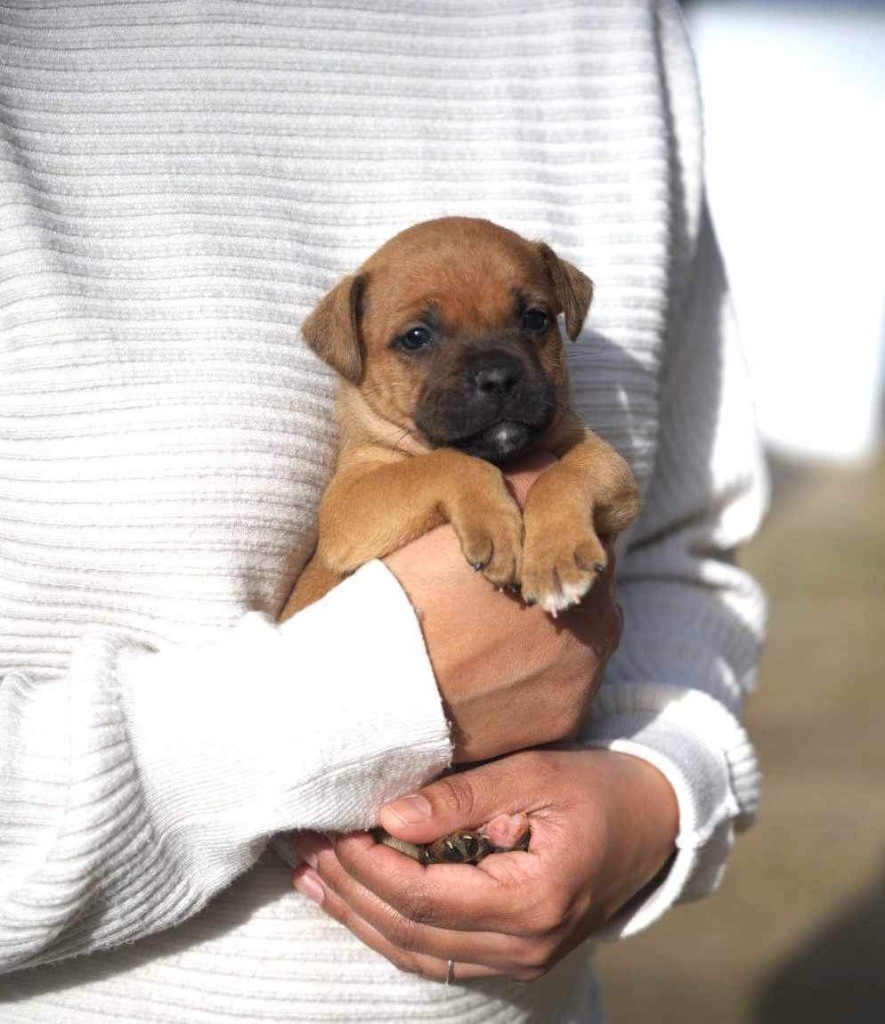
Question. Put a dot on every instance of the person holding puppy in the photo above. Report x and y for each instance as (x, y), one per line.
(179, 191)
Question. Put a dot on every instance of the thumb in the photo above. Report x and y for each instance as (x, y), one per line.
(465, 800)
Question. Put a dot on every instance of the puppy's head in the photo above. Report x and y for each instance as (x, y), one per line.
(449, 332)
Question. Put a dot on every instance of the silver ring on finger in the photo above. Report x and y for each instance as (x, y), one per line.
(450, 972)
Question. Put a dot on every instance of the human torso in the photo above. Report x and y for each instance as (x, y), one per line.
(181, 184)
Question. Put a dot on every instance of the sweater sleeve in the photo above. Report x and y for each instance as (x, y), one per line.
(693, 620)
(139, 784)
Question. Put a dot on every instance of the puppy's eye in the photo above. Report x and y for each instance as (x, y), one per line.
(535, 320)
(414, 339)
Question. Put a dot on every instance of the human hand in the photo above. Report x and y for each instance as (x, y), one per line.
(602, 826)
(510, 676)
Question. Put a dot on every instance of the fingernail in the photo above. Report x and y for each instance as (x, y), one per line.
(308, 856)
(307, 846)
(309, 885)
(411, 809)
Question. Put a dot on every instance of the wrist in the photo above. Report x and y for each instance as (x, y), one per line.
(639, 814)
(645, 807)
(266, 727)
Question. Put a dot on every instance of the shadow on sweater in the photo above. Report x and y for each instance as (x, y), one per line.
(837, 975)
(268, 882)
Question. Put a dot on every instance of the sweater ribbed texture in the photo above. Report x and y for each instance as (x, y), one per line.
(179, 183)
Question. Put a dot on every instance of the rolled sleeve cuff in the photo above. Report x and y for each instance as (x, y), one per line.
(312, 724)
(703, 752)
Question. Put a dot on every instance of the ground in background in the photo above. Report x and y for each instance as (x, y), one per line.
(797, 933)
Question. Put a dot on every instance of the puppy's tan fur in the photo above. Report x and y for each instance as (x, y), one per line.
(391, 484)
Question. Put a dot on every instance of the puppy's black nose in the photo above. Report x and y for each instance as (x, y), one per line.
(498, 374)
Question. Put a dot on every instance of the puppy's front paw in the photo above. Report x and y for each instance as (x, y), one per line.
(489, 527)
(560, 565)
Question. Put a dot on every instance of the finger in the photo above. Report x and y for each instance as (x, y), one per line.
(506, 830)
(465, 800)
(503, 952)
(502, 894)
(307, 881)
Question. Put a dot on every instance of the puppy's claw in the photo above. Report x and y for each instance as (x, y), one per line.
(591, 562)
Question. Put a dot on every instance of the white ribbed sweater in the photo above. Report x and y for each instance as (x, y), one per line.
(179, 182)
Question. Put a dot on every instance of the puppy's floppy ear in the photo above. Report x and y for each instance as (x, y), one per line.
(574, 289)
(333, 329)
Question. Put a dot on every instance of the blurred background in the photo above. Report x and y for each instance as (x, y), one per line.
(794, 96)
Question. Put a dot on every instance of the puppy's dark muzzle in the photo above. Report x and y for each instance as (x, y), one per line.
(494, 375)
(496, 408)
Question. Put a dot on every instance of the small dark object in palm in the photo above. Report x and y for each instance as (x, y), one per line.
(457, 848)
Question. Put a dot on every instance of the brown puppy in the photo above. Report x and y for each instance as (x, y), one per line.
(451, 365)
